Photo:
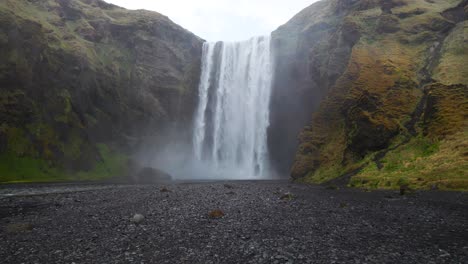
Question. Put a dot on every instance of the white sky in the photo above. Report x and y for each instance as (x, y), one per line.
(228, 20)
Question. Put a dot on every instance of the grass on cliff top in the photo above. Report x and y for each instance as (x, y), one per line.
(17, 169)
(44, 20)
(421, 164)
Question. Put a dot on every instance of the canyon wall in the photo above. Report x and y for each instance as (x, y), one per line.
(382, 86)
(83, 83)
(370, 93)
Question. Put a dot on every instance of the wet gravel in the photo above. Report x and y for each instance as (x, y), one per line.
(38, 189)
(256, 222)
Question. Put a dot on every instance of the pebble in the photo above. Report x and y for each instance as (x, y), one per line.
(137, 218)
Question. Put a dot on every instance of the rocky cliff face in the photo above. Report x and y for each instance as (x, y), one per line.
(376, 89)
(81, 79)
(312, 51)
(387, 83)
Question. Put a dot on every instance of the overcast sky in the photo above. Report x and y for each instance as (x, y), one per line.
(228, 20)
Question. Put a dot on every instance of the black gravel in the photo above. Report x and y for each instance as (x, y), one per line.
(263, 222)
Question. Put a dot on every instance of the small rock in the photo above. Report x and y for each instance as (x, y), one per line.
(164, 190)
(216, 214)
(405, 189)
(137, 218)
(19, 227)
(443, 253)
(281, 257)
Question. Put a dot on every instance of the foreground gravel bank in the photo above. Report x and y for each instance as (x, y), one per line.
(263, 222)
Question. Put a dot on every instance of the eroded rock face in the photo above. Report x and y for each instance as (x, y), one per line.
(80, 72)
(368, 73)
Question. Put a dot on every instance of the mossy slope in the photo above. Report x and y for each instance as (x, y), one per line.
(83, 82)
(397, 114)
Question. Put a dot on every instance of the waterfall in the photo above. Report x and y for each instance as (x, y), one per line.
(232, 117)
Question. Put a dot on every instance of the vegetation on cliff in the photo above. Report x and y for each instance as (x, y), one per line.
(397, 113)
(83, 82)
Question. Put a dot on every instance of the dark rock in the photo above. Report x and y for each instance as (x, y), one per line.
(458, 13)
(405, 189)
(415, 12)
(165, 190)
(388, 24)
(388, 5)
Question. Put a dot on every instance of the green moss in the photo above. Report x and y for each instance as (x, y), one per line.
(446, 110)
(112, 165)
(17, 142)
(452, 64)
(379, 95)
(90, 120)
(46, 138)
(15, 168)
(72, 148)
(421, 164)
(64, 116)
(117, 60)
(323, 174)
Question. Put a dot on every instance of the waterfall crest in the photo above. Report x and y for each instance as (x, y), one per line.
(232, 117)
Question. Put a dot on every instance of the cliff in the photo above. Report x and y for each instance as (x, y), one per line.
(386, 82)
(84, 83)
(375, 89)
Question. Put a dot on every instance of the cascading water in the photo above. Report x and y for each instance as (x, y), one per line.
(232, 118)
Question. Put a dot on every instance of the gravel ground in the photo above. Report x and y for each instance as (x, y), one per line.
(38, 189)
(263, 222)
